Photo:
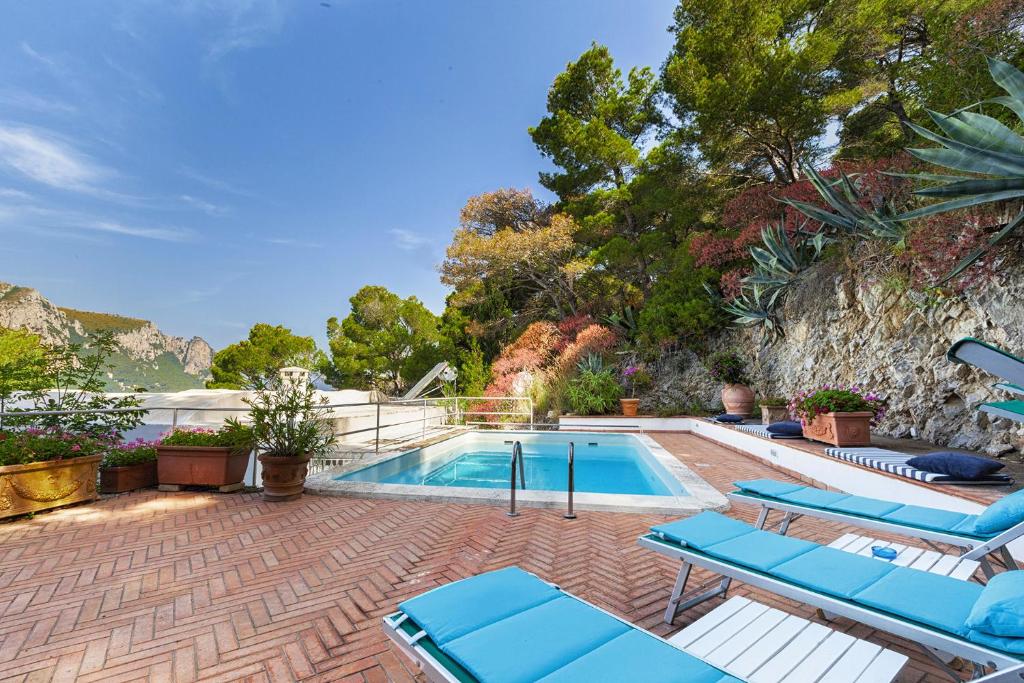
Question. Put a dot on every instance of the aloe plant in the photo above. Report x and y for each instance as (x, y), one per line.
(981, 145)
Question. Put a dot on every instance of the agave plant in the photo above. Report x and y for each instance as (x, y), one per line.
(781, 259)
(625, 322)
(850, 217)
(756, 306)
(981, 145)
(592, 362)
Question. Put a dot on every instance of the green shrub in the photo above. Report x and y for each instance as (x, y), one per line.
(593, 393)
(727, 367)
(233, 435)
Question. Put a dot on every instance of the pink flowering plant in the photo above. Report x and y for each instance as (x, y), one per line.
(831, 398)
(636, 379)
(726, 367)
(129, 453)
(24, 446)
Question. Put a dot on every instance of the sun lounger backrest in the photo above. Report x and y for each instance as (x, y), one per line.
(989, 358)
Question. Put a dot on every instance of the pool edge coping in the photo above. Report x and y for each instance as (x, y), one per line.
(702, 495)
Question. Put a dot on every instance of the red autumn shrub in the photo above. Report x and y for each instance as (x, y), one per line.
(591, 339)
(938, 243)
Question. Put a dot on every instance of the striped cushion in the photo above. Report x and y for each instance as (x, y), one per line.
(896, 463)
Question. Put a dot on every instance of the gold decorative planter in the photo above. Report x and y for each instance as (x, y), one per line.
(45, 485)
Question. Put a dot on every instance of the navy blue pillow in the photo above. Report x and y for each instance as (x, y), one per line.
(729, 418)
(786, 428)
(957, 465)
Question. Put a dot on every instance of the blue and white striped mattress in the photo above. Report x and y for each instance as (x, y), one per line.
(895, 462)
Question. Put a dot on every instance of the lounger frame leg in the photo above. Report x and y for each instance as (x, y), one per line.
(786, 521)
(676, 604)
(1008, 558)
(943, 660)
(762, 517)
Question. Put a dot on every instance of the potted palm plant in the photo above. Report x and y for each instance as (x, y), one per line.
(841, 416)
(290, 426)
(727, 367)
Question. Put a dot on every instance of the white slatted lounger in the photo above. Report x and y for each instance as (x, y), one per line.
(909, 556)
(762, 644)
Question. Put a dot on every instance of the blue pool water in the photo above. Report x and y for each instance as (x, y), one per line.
(604, 463)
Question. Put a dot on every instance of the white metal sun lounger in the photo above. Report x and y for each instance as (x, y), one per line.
(997, 362)
(896, 600)
(510, 626)
(927, 524)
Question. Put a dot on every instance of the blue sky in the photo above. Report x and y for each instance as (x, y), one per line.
(209, 165)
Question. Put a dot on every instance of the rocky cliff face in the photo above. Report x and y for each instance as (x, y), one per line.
(838, 330)
(147, 358)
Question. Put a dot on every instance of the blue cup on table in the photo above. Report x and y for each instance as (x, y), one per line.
(883, 553)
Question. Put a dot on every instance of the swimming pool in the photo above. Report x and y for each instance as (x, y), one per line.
(613, 471)
(604, 463)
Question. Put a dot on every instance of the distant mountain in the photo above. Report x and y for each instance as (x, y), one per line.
(148, 358)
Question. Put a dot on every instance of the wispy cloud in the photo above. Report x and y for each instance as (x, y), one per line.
(206, 207)
(250, 23)
(44, 220)
(46, 158)
(291, 242)
(215, 183)
(407, 240)
(44, 60)
(151, 233)
(21, 99)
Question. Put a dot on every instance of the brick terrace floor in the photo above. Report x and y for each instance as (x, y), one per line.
(195, 586)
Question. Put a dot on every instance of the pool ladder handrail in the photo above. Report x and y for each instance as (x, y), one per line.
(572, 485)
(517, 457)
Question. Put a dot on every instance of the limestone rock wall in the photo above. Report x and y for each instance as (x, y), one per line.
(869, 334)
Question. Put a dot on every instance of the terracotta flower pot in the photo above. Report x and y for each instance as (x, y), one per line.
(841, 429)
(49, 484)
(629, 406)
(770, 414)
(128, 478)
(738, 399)
(201, 466)
(283, 476)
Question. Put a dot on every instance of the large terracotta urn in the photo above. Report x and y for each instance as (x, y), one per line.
(841, 429)
(738, 399)
(284, 476)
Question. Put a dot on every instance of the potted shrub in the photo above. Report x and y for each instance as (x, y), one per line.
(128, 466)
(42, 469)
(290, 425)
(635, 379)
(774, 409)
(729, 368)
(841, 416)
(199, 456)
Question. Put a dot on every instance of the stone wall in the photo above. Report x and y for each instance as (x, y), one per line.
(839, 330)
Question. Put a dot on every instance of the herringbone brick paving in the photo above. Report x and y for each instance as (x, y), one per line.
(200, 586)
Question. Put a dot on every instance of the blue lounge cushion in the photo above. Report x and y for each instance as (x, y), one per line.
(834, 572)
(812, 497)
(1006, 512)
(1000, 609)
(934, 600)
(786, 428)
(925, 518)
(703, 530)
(458, 608)
(531, 644)
(865, 507)
(729, 418)
(637, 656)
(1011, 645)
(767, 487)
(957, 465)
(760, 550)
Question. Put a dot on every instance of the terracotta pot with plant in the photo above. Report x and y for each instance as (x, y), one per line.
(290, 426)
(128, 466)
(200, 456)
(635, 380)
(774, 409)
(727, 367)
(841, 416)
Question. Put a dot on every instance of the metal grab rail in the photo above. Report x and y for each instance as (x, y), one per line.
(572, 477)
(517, 457)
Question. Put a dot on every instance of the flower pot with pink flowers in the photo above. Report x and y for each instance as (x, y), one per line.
(727, 367)
(635, 380)
(841, 416)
